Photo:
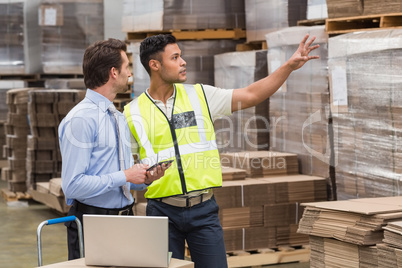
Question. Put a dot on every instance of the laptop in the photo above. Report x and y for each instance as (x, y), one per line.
(131, 241)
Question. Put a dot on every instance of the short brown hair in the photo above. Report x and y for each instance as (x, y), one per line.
(99, 58)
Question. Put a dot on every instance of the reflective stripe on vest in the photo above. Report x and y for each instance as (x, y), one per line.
(197, 164)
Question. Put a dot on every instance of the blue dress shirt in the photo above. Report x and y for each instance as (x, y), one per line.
(90, 156)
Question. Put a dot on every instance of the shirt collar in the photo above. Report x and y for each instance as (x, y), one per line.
(171, 97)
(98, 99)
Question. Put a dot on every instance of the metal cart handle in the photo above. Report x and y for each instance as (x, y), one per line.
(55, 221)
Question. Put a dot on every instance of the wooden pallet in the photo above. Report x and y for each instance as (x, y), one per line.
(268, 256)
(206, 34)
(36, 77)
(59, 76)
(257, 258)
(311, 22)
(14, 196)
(363, 23)
(252, 46)
(25, 77)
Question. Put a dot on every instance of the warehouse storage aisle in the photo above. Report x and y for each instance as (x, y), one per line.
(18, 224)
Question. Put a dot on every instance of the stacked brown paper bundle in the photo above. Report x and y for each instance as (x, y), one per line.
(264, 212)
(50, 194)
(390, 252)
(2, 141)
(52, 187)
(55, 187)
(344, 8)
(16, 129)
(350, 8)
(249, 238)
(229, 174)
(393, 234)
(275, 190)
(387, 6)
(242, 217)
(31, 134)
(298, 188)
(6, 85)
(261, 212)
(46, 108)
(357, 221)
(285, 214)
(328, 252)
(344, 232)
(262, 163)
(389, 257)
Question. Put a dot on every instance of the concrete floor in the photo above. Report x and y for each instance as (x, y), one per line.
(18, 244)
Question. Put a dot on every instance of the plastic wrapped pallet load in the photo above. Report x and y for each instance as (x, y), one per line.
(20, 43)
(317, 9)
(365, 83)
(246, 129)
(265, 16)
(162, 15)
(299, 110)
(68, 27)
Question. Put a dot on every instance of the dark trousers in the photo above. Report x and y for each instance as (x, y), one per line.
(72, 232)
(199, 226)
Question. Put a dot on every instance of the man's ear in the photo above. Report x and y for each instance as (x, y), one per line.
(113, 72)
(154, 65)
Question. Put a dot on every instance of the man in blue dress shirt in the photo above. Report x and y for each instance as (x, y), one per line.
(97, 163)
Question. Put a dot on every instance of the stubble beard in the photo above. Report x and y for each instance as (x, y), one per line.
(123, 88)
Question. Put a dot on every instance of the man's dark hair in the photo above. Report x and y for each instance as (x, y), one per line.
(99, 58)
(151, 47)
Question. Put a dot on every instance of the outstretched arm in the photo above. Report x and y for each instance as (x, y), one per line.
(264, 88)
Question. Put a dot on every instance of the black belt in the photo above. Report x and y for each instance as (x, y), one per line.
(87, 209)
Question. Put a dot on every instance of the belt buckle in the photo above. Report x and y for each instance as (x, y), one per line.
(124, 212)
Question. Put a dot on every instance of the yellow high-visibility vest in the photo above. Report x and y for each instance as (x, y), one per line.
(188, 138)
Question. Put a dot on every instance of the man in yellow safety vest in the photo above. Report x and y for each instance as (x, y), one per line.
(174, 121)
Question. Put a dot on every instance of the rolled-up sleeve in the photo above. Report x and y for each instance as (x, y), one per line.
(219, 101)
